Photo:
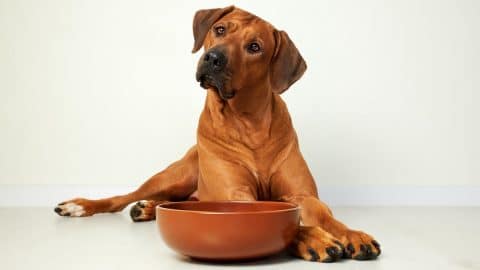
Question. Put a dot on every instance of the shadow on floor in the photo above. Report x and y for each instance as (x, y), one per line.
(278, 258)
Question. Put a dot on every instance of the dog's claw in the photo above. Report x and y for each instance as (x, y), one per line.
(315, 244)
(73, 208)
(314, 254)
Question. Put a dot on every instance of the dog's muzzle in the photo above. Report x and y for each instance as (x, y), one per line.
(211, 72)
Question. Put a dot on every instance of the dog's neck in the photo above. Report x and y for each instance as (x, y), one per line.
(250, 109)
(252, 104)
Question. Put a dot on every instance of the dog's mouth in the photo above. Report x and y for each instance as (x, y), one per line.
(209, 82)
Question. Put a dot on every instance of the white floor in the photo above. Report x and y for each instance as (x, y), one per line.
(411, 238)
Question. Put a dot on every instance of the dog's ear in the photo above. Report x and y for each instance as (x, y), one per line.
(287, 64)
(203, 20)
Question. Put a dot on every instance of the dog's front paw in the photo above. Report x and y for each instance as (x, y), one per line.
(143, 210)
(315, 244)
(360, 246)
(74, 208)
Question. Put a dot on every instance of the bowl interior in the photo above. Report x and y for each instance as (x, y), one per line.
(230, 206)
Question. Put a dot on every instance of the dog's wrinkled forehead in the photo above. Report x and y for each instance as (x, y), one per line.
(243, 27)
(240, 18)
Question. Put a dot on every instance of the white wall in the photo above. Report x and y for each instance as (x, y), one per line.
(103, 92)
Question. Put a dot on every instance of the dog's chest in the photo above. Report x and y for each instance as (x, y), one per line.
(260, 154)
(253, 149)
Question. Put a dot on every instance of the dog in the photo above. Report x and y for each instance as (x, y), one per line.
(247, 148)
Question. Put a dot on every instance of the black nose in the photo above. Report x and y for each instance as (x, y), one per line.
(215, 60)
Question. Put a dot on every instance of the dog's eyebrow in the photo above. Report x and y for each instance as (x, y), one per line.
(231, 26)
(253, 36)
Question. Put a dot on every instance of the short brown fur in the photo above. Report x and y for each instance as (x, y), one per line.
(247, 148)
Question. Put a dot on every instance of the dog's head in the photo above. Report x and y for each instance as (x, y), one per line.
(241, 51)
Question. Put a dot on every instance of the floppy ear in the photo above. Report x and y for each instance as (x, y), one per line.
(203, 20)
(287, 64)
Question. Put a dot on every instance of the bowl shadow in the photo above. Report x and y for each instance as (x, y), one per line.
(278, 258)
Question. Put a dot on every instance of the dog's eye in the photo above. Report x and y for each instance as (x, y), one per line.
(253, 47)
(219, 31)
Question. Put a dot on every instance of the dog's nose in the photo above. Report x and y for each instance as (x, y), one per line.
(215, 59)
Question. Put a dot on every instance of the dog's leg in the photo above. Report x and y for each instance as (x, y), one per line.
(294, 183)
(224, 180)
(176, 182)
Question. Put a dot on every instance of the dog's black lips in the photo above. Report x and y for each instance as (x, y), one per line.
(207, 81)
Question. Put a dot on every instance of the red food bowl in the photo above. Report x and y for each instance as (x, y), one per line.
(227, 230)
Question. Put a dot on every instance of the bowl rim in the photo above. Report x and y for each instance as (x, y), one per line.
(293, 207)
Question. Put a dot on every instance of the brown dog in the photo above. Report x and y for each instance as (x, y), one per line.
(246, 146)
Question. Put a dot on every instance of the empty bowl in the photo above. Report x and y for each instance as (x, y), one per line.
(227, 230)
